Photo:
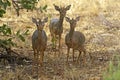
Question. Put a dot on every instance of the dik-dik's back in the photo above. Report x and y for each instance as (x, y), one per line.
(76, 41)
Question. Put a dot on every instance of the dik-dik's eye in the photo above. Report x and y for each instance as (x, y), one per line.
(37, 24)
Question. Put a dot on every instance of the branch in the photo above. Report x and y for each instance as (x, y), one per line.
(16, 6)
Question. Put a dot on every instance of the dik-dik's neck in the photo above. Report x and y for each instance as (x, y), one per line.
(61, 21)
(40, 36)
(71, 33)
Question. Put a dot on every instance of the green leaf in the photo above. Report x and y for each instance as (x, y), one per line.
(8, 3)
(2, 12)
(5, 6)
(45, 7)
(5, 3)
(9, 31)
(22, 38)
(7, 42)
(5, 29)
(18, 32)
(26, 32)
(10, 42)
(28, 4)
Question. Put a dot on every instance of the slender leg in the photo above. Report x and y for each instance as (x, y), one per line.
(41, 58)
(68, 50)
(51, 39)
(59, 44)
(73, 55)
(37, 64)
(85, 56)
(79, 56)
(55, 40)
(90, 57)
(34, 60)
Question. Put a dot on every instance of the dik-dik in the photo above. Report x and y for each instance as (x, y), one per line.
(56, 25)
(74, 39)
(39, 40)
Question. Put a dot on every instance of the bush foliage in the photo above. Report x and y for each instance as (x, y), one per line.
(5, 30)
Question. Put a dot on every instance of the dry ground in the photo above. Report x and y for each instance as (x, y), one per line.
(100, 22)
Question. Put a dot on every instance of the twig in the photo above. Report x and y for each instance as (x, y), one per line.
(16, 6)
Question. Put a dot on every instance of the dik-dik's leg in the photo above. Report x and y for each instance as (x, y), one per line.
(79, 56)
(73, 55)
(53, 39)
(41, 58)
(34, 59)
(37, 60)
(59, 43)
(68, 50)
(84, 51)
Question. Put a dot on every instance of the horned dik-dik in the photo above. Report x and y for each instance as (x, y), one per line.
(39, 40)
(56, 25)
(74, 39)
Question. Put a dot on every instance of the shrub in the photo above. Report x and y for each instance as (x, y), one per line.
(113, 72)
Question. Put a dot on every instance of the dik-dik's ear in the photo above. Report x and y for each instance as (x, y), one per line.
(77, 18)
(68, 7)
(45, 20)
(56, 7)
(34, 20)
(67, 19)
